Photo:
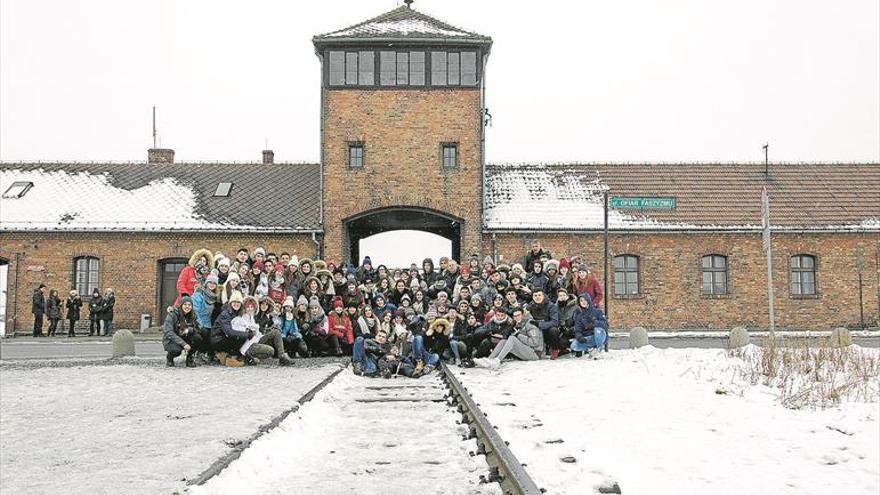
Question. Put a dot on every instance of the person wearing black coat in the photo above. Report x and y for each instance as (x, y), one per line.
(53, 311)
(107, 311)
(38, 308)
(535, 254)
(95, 305)
(545, 316)
(73, 305)
(181, 333)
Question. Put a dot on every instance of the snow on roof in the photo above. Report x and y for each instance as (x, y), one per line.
(402, 22)
(804, 197)
(82, 200)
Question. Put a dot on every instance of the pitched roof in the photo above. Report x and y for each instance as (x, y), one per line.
(832, 197)
(161, 197)
(403, 23)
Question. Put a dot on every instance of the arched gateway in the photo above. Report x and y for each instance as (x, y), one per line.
(380, 220)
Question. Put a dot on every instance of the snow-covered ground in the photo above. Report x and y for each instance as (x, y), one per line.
(362, 436)
(135, 428)
(674, 421)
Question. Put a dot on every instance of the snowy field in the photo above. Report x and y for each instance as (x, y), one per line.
(133, 428)
(673, 421)
(362, 436)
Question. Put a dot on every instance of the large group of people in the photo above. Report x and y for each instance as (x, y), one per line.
(260, 305)
(45, 303)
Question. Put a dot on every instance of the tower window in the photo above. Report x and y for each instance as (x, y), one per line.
(438, 68)
(355, 155)
(450, 155)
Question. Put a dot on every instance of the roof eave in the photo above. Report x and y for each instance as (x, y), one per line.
(364, 40)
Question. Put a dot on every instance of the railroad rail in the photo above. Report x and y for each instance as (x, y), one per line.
(445, 391)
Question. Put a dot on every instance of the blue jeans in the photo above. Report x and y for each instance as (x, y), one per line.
(596, 340)
(419, 352)
(358, 355)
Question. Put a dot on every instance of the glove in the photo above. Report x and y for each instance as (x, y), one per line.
(250, 334)
(582, 339)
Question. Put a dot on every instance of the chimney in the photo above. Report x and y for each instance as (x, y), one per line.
(268, 157)
(160, 155)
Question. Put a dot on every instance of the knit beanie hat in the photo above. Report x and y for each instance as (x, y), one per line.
(488, 260)
(302, 300)
(186, 299)
(337, 302)
(288, 302)
(236, 297)
(563, 263)
(223, 261)
(367, 261)
(212, 278)
(314, 302)
(233, 276)
(259, 250)
(294, 260)
(258, 265)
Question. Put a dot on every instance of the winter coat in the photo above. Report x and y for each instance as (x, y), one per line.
(354, 298)
(177, 325)
(537, 281)
(188, 279)
(203, 305)
(340, 326)
(367, 328)
(396, 296)
(53, 308)
(530, 335)
(38, 303)
(545, 315)
(73, 305)
(95, 305)
(503, 329)
(566, 313)
(222, 328)
(289, 328)
(380, 311)
(107, 307)
(594, 289)
(588, 319)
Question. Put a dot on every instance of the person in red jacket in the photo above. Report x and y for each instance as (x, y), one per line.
(594, 289)
(339, 325)
(193, 274)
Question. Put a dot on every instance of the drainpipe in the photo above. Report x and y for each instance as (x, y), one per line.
(15, 301)
(494, 251)
(317, 246)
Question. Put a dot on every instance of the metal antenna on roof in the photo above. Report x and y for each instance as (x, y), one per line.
(408, 3)
(154, 127)
(766, 160)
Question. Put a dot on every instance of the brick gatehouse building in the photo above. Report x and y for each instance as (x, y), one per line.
(402, 100)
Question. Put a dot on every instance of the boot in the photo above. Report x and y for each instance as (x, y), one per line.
(189, 360)
(169, 360)
(554, 354)
(420, 365)
(284, 359)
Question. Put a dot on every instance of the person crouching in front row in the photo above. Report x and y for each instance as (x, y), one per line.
(181, 333)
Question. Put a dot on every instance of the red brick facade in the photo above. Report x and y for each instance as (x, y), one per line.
(402, 132)
(670, 274)
(129, 263)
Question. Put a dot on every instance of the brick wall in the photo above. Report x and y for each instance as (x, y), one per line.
(129, 264)
(402, 131)
(670, 276)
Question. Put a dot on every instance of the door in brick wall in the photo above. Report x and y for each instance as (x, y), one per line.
(168, 271)
(4, 271)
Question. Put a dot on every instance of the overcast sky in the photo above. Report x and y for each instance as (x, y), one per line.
(678, 80)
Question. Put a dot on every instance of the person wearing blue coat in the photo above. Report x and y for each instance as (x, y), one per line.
(590, 328)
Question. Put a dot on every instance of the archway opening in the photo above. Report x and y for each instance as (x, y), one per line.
(400, 248)
(370, 223)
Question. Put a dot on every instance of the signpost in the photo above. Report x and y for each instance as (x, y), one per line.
(623, 203)
(765, 223)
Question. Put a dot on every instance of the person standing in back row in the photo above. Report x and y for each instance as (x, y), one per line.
(107, 311)
(95, 305)
(74, 305)
(38, 308)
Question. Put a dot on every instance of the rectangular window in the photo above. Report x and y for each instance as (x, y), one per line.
(450, 155)
(351, 68)
(356, 155)
(366, 68)
(626, 275)
(85, 275)
(803, 275)
(387, 68)
(454, 77)
(417, 68)
(468, 68)
(223, 189)
(337, 68)
(438, 68)
(402, 69)
(714, 281)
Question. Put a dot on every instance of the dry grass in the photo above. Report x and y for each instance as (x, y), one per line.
(813, 374)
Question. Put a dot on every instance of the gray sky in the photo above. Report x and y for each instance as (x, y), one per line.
(678, 80)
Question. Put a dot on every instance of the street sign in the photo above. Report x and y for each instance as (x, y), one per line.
(643, 203)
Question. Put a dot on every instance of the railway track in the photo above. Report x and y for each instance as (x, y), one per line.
(362, 435)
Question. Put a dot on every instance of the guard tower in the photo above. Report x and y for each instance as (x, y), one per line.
(402, 109)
